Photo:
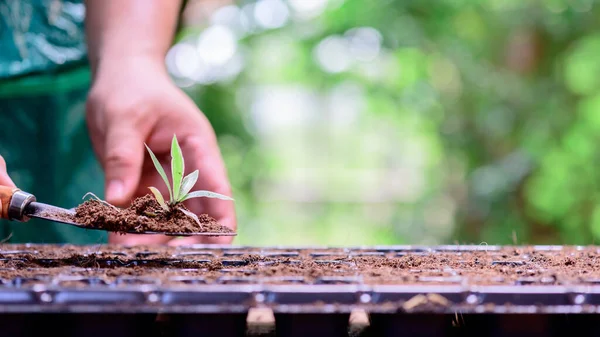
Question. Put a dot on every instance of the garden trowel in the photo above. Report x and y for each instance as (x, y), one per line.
(17, 205)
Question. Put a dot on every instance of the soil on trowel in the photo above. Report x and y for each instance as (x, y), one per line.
(144, 215)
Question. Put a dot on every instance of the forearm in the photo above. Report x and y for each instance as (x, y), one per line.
(118, 29)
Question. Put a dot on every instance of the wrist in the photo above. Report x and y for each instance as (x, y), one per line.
(116, 65)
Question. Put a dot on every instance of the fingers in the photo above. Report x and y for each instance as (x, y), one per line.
(122, 159)
(4, 178)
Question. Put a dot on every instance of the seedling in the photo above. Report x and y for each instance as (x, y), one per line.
(179, 190)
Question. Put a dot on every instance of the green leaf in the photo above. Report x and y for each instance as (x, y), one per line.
(206, 194)
(159, 198)
(177, 168)
(187, 184)
(161, 171)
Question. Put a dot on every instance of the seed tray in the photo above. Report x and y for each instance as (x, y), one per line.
(311, 290)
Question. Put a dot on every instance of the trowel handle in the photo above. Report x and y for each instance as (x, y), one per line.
(13, 202)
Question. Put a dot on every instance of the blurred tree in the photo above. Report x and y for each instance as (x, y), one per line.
(495, 103)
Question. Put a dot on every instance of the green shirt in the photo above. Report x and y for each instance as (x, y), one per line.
(44, 80)
(40, 36)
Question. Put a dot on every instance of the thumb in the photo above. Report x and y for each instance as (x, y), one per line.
(122, 161)
(4, 178)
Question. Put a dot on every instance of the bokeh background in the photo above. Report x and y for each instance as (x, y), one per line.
(359, 122)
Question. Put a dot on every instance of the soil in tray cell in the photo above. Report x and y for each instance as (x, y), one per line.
(101, 265)
(144, 214)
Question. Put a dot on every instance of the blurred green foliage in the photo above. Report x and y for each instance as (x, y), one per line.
(495, 102)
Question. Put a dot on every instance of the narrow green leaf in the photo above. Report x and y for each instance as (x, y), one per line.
(205, 194)
(161, 171)
(188, 182)
(159, 198)
(177, 168)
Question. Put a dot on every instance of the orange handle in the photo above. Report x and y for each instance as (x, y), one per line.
(6, 194)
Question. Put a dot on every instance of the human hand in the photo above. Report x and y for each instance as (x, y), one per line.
(133, 101)
(4, 178)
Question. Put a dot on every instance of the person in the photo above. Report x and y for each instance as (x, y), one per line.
(83, 85)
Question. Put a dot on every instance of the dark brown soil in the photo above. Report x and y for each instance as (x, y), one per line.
(144, 215)
(112, 265)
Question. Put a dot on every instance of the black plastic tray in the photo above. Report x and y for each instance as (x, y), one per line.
(319, 308)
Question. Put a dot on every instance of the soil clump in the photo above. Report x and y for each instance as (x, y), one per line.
(144, 215)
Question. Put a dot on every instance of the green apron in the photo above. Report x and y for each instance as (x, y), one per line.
(44, 79)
